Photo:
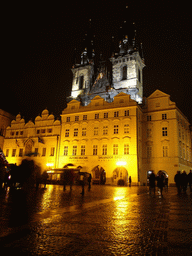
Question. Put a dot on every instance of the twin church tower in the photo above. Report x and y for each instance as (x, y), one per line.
(126, 70)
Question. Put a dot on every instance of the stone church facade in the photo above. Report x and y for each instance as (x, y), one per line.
(107, 128)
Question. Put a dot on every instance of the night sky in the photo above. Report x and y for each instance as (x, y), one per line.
(39, 41)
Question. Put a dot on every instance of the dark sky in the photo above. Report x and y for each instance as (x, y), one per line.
(39, 39)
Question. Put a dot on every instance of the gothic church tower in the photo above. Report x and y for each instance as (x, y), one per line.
(127, 66)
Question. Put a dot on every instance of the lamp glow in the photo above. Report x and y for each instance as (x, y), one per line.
(121, 163)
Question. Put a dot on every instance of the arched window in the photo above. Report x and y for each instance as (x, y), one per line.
(81, 80)
(124, 77)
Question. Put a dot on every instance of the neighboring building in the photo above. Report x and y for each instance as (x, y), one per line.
(40, 138)
(5, 120)
(167, 137)
(104, 129)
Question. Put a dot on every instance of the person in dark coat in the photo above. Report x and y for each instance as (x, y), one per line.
(152, 179)
(89, 182)
(130, 181)
(45, 176)
(160, 181)
(189, 177)
(177, 180)
(184, 181)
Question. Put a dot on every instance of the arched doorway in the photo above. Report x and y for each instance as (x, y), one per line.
(120, 176)
(99, 175)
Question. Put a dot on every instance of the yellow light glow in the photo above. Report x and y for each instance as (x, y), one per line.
(49, 164)
(50, 171)
(121, 163)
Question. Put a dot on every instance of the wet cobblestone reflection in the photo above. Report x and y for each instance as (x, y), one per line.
(105, 221)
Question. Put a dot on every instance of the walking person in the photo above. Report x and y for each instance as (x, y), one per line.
(184, 181)
(160, 181)
(89, 182)
(44, 178)
(130, 181)
(82, 182)
(177, 180)
(152, 179)
(189, 177)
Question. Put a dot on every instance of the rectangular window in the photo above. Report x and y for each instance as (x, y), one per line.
(94, 150)
(65, 151)
(21, 152)
(17, 133)
(42, 130)
(76, 118)
(105, 130)
(105, 115)
(7, 153)
(83, 131)
(148, 118)
(21, 132)
(126, 149)
(126, 113)
(115, 149)
(49, 130)
(96, 116)
(104, 149)
(43, 151)
(164, 116)
(96, 130)
(116, 129)
(164, 131)
(74, 153)
(38, 131)
(67, 133)
(75, 132)
(68, 119)
(149, 151)
(83, 150)
(165, 151)
(84, 117)
(126, 128)
(52, 151)
(116, 113)
(12, 133)
(14, 152)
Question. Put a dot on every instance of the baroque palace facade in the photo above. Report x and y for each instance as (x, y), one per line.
(106, 128)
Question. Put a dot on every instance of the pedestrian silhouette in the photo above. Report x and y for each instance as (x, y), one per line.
(177, 180)
(189, 177)
(184, 181)
(89, 182)
(152, 179)
(130, 181)
(160, 181)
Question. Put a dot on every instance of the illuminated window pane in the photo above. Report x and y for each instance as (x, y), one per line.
(95, 150)
(83, 150)
(74, 152)
(115, 149)
(65, 150)
(126, 149)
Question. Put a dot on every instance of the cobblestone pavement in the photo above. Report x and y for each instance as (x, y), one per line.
(105, 221)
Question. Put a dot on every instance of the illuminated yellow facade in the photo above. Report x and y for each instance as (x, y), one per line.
(40, 138)
(112, 141)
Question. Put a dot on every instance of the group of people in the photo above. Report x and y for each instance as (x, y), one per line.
(161, 179)
(182, 180)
